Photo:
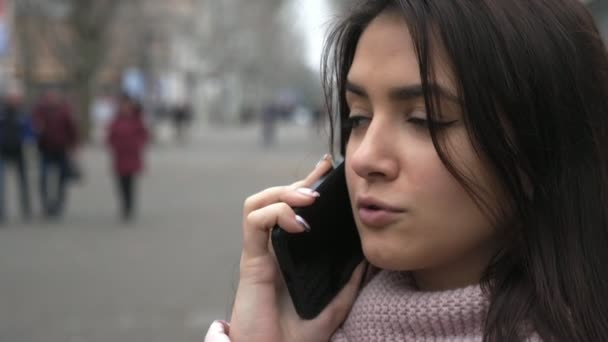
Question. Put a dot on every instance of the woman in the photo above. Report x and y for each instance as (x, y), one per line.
(127, 139)
(479, 130)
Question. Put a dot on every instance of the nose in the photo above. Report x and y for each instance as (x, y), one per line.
(374, 155)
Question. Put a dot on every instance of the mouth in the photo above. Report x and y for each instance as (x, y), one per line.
(375, 213)
(375, 204)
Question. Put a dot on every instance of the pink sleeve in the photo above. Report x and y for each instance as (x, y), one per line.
(218, 332)
(339, 336)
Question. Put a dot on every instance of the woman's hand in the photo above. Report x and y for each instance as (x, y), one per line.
(263, 310)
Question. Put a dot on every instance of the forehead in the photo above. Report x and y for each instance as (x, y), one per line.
(385, 55)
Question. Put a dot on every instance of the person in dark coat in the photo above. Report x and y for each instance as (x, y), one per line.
(57, 133)
(127, 139)
(15, 131)
(182, 117)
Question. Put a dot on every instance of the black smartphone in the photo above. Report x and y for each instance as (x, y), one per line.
(316, 265)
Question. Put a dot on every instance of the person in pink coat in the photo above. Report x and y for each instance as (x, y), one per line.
(127, 139)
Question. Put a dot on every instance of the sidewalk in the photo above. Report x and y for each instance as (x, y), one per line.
(90, 278)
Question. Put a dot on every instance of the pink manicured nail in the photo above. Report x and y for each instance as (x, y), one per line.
(303, 223)
(308, 192)
(324, 158)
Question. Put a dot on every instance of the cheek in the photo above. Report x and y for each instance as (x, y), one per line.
(448, 220)
(443, 213)
(441, 197)
(349, 173)
(435, 187)
(433, 182)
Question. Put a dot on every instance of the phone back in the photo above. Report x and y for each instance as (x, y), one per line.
(317, 265)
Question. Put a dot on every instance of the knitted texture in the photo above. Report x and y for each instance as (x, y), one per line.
(390, 308)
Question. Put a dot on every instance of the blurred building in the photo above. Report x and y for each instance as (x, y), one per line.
(147, 38)
(6, 58)
(39, 58)
(221, 57)
(169, 58)
(181, 41)
(599, 8)
(41, 45)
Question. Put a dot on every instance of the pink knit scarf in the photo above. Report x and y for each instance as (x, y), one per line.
(390, 308)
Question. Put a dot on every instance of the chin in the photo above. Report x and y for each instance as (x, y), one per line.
(379, 254)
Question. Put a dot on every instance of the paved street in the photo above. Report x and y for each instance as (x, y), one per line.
(90, 278)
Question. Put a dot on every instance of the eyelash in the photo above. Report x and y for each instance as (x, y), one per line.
(355, 121)
(424, 123)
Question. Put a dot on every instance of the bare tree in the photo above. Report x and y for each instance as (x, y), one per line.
(256, 43)
(76, 34)
(248, 48)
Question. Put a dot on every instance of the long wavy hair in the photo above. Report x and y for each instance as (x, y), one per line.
(532, 77)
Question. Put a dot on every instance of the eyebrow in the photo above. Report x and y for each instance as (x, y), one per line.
(406, 92)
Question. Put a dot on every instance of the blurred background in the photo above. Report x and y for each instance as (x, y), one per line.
(142, 126)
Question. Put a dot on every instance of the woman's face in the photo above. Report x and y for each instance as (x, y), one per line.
(411, 213)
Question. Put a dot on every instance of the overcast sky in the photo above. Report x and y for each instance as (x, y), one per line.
(313, 18)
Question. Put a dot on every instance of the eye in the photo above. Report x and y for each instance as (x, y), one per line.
(424, 123)
(356, 121)
(421, 122)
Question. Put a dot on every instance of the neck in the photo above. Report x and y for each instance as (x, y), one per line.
(459, 273)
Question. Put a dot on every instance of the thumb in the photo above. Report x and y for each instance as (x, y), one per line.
(340, 306)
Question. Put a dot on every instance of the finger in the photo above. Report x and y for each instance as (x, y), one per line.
(322, 167)
(275, 214)
(297, 198)
(259, 223)
(256, 226)
(340, 306)
(262, 199)
(300, 197)
(280, 194)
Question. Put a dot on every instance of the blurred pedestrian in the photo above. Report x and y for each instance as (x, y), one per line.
(127, 138)
(15, 131)
(269, 118)
(57, 139)
(182, 117)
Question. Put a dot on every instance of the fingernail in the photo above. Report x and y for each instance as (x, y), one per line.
(303, 223)
(324, 158)
(308, 192)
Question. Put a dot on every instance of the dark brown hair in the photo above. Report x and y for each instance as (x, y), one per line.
(532, 77)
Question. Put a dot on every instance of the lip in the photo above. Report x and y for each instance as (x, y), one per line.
(375, 213)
